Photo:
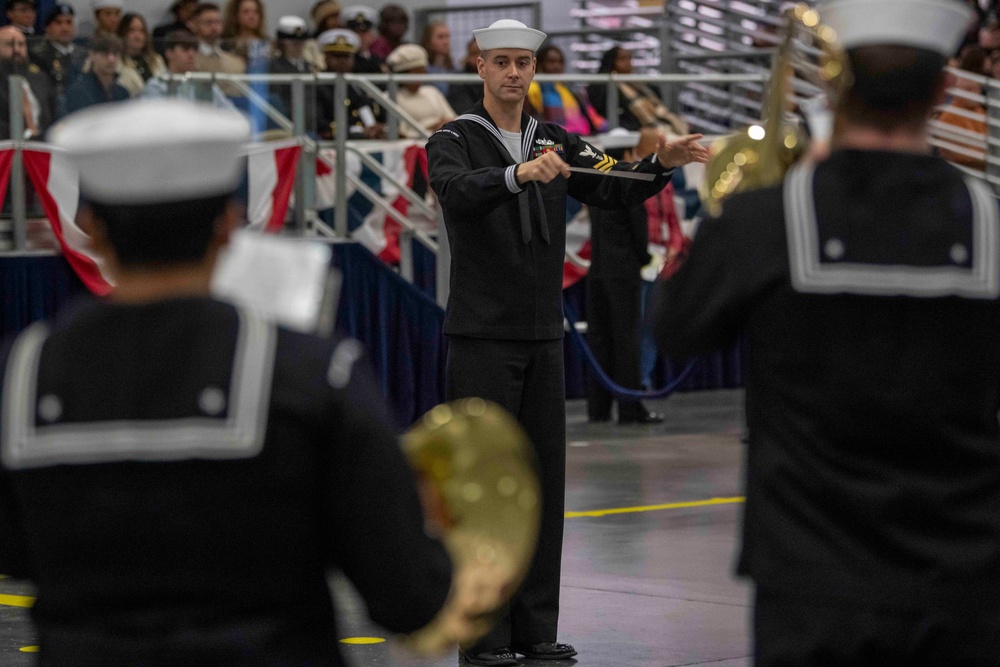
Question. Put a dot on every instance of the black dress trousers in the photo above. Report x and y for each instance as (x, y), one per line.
(526, 379)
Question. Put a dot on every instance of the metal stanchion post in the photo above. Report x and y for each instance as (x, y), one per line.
(443, 265)
(299, 122)
(340, 120)
(612, 110)
(18, 198)
(406, 255)
(392, 131)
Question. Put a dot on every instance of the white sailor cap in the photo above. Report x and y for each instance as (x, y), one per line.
(934, 25)
(509, 34)
(108, 4)
(292, 27)
(357, 16)
(617, 138)
(154, 151)
(406, 57)
(339, 41)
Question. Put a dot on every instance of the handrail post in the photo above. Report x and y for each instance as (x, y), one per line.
(392, 129)
(442, 264)
(340, 132)
(18, 197)
(612, 109)
(299, 128)
(406, 255)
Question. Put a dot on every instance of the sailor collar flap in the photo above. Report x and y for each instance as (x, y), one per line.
(820, 262)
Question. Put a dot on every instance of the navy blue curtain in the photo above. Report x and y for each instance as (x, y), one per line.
(33, 288)
(400, 326)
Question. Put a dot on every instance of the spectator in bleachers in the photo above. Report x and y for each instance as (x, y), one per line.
(325, 16)
(619, 241)
(140, 62)
(57, 55)
(365, 118)
(422, 101)
(182, 10)
(556, 102)
(290, 39)
(107, 16)
(22, 14)
(392, 27)
(39, 98)
(972, 60)
(244, 25)
(436, 41)
(99, 85)
(180, 49)
(464, 96)
(207, 26)
(639, 107)
(361, 20)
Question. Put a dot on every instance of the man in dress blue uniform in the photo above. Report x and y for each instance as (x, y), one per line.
(868, 286)
(502, 179)
(177, 474)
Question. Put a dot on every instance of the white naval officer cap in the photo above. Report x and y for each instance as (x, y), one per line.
(617, 138)
(154, 151)
(358, 15)
(508, 34)
(108, 4)
(339, 41)
(934, 25)
(292, 27)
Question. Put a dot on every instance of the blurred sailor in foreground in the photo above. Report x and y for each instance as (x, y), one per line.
(179, 475)
(868, 285)
(502, 179)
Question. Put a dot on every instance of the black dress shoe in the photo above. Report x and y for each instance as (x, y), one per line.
(500, 657)
(546, 651)
(644, 418)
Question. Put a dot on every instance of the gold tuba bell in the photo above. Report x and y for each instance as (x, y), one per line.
(481, 470)
(760, 155)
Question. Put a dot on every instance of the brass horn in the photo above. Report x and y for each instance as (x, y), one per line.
(760, 155)
(477, 462)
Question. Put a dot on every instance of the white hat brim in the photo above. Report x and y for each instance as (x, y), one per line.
(935, 25)
(509, 38)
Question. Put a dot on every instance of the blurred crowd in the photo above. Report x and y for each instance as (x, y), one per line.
(962, 127)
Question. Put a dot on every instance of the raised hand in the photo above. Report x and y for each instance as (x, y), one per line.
(680, 151)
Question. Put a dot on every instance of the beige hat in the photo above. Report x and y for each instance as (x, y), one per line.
(509, 34)
(154, 151)
(935, 25)
(339, 41)
(406, 57)
(323, 10)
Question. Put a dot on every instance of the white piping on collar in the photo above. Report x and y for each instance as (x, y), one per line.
(810, 275)
(240, 435)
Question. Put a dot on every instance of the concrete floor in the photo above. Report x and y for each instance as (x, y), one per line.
(647, 588)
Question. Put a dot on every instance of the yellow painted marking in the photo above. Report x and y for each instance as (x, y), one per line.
(16, 600)
(28, 649)
(655, 508)
(362, 640)
(3, 576)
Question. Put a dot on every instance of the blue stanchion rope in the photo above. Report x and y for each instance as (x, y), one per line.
(618, 391)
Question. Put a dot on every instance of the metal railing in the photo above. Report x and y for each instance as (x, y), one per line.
(734, 109)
